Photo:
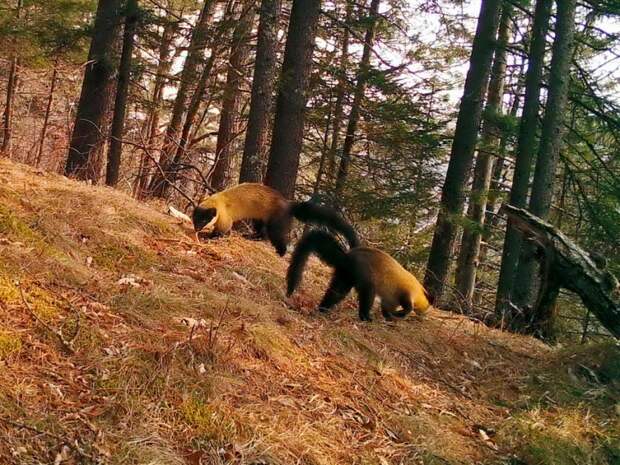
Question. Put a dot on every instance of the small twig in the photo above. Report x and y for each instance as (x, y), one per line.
(75, 446)
(78, 319)
(67, 345)
(31, 428)
(219, 324)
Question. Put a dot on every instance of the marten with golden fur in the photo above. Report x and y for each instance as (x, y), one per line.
(251, 201)
(370, 271)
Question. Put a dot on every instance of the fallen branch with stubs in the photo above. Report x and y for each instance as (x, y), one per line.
(566, 265)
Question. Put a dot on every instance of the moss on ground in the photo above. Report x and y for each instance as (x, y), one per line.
(10, 344)
(569, 416)
(211, 424)
(270, 341)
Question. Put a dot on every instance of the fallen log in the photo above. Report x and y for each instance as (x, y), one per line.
(566, 265)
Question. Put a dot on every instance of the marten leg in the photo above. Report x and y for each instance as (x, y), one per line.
(405, 302)
(386, 311)
(259, 229)
(210, 235)
(338, 289)
(251, 229)
(366, 297)
(278, 229)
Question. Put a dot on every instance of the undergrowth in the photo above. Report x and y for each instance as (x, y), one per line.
(123, 341)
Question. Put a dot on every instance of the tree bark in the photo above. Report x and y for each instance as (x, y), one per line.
(550, 141)
(239, 51)
(324, 155)
(472, 233)
(122, 91)
(499, 174)
(358, 96)
(262, 93)
(46, 118)
(7, 117)
(163, 68)
(98, 85)
(11, 87)
(198, 42)
(340, 99)
(292, 97)
(526, 145)
(463, 146)
(569, 266)
(192, 111)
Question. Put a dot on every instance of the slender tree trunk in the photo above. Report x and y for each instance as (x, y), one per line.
(463, 146)
(198, 42)
(499, 169)
(472, 233)
(262, 93)
(46, 118)
(324, 154)
(192, 111)
(358, 96)
(239, 51)
(7, 117)
(11, 87)
(499, 174)
(98, 85)
(340, 98)
(122, 91)
(550, 144)
(292, 97)
(526, 145)
(163, 69)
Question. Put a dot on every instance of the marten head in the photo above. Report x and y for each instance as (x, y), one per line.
(426, 303)
(203, 217)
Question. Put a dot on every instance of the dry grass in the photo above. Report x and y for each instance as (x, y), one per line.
(264, 380)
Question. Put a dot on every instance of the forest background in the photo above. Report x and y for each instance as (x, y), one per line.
(415, 119)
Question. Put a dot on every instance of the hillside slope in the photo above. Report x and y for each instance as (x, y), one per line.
(98, 365)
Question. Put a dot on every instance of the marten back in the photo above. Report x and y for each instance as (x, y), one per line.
(247, 201)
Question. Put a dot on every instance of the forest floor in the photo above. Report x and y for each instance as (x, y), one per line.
(99, 365)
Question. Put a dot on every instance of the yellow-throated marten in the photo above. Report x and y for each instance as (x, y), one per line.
(370, 271)
(250, 201)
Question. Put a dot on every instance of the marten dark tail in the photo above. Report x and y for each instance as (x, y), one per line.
(325, 246)
(309, 212)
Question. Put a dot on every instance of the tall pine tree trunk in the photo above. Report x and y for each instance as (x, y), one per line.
(192, 111)
(288, 127)
(11, 88)
(358, 96)
(220, 175)
(324, 153)
(472, 233)
(340, 100)
(88, 135)
(7, 116)
(46, 118)
(122, 91)
(159, 183)
(499, 168)
(495, 190)
(262, 93)
(550, 144)
(161, 78)
(463, 146)
(526, 145)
